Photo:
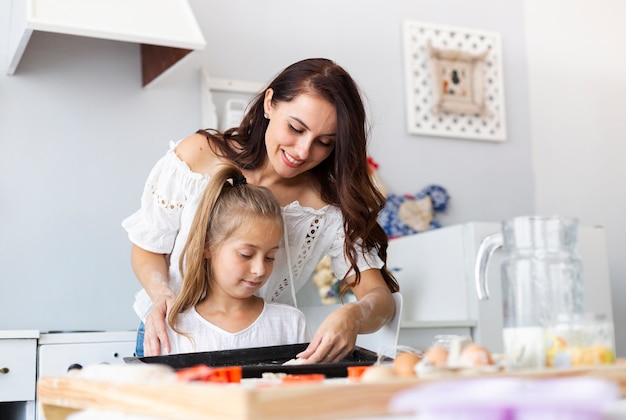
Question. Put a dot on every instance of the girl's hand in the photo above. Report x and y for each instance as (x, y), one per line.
(335, 338)
(155, 335)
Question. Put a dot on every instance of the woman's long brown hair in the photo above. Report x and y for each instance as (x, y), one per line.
(343, 176)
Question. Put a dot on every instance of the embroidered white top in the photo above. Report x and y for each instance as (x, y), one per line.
(168, 204)
(277, 325)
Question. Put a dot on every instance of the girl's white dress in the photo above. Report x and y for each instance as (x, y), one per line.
(168, 204)
(278, 324)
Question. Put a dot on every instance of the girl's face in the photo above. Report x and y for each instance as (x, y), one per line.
(301, 133)
(242, 263)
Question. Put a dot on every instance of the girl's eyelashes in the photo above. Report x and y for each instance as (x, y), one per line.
(248, 256)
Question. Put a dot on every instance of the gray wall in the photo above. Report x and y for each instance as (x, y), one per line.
(78, 136)
(487, 181)
(577, 86)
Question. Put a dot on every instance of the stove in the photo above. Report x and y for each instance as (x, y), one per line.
(59, 351)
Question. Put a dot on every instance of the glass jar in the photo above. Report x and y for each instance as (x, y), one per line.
(580, 340)
(541, 277)
(445, 340)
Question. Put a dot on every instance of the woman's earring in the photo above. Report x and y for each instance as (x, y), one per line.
(267, 117)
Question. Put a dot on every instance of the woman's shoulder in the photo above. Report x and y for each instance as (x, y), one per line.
(196, 152)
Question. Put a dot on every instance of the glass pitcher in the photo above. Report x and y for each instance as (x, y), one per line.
(541, 278)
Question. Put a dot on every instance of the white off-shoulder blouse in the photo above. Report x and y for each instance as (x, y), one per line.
(168, 204)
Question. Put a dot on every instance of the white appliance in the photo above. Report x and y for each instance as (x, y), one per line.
(60, 351)
(233, 113)
(435, 270)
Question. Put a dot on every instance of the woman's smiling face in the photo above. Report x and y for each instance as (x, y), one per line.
(301, 133)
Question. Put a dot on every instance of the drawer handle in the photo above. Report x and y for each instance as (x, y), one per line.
(4, 370)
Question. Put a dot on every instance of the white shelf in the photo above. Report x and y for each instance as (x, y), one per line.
(228, 85)
(438, 324)
(167, 23)
(87, 337)
(11, 334)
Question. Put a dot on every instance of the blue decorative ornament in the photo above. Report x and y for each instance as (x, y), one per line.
(409, 214)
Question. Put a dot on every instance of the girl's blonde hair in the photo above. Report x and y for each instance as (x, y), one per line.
(227, 203)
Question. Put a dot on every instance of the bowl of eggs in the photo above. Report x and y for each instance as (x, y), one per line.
(459, 355)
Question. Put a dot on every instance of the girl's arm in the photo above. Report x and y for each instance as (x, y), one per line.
(152, 271)
(336, 337)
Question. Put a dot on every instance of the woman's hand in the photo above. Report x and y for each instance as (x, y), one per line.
(155, 335)
(151, 270)
(336, 337)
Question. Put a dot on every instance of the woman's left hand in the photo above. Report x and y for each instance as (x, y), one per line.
(336, 337)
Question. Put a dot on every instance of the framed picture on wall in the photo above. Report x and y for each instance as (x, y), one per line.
(458, 82)
(454, 82)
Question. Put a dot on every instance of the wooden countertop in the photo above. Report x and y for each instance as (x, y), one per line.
(61, 396)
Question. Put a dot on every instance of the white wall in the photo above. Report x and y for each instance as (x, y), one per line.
(487, 181)
(576, 70)
(77, 133)
(78, 136)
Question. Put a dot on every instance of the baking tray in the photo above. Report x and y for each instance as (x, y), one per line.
(255, 361)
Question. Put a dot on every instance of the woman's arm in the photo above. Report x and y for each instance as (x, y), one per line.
(157, 228)
(336, 337)
(152, 271)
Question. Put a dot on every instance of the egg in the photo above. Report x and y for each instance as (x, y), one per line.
(475, 355)
(436, 355)
(378, 373)
(404, 364)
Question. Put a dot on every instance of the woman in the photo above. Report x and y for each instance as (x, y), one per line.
(305, 139)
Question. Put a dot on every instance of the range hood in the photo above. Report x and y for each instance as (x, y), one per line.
(166, 29)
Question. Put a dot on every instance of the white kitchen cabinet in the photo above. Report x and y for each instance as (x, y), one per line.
(57, 352)
(169, 26)
(18, 359)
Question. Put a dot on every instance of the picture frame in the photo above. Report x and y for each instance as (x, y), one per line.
(475, 109)
(458, 81)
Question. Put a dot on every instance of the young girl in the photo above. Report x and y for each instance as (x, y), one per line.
(228, 256)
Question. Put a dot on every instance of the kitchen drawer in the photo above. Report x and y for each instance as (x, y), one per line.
(60, 350)
(18, 361)
(55, 359)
